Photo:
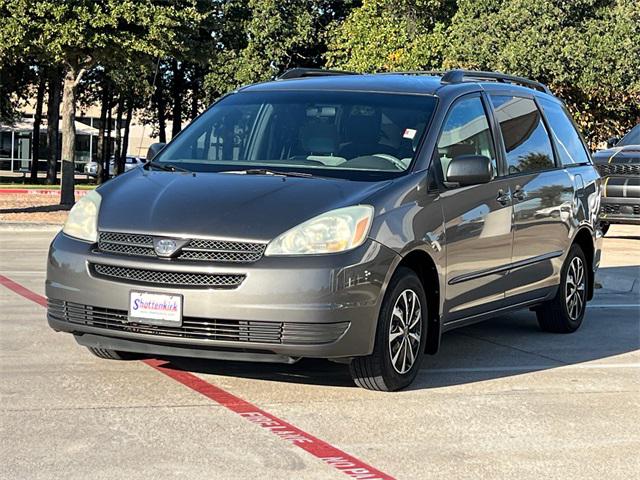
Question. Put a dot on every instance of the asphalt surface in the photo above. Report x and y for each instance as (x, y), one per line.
(501, 400)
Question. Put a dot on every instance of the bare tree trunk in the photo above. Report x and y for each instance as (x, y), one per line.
(125, 138)
(177, 87)
(103, 121)
(118, 150)
(195, 91)
(162, 121)
(67, 190)
(53, 115)
(107, 146)
(37, 120)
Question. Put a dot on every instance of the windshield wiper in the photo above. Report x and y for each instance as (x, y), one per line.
(267, 171)
(169, 167)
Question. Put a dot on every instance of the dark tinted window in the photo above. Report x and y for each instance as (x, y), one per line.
(525, 137)
(631, 138)
(465, 132)
(568, 143)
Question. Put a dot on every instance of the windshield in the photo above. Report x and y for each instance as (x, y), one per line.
(631, 138)
(343, 134)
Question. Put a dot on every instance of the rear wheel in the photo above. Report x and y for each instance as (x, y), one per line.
(605, 228)
(113, 354)
(564, 313)
(400, 337)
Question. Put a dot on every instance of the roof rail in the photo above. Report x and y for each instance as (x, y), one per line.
(459, 76)
(311, 72)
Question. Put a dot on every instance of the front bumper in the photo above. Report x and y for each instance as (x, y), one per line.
(620, 210)
(317, 306)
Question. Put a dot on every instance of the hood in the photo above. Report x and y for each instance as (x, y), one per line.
(221, 205)
(625, 154)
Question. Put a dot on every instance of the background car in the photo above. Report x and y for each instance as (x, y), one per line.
(91, 168)
(619, 165)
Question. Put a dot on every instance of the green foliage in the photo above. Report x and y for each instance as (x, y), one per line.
(391, 35)
(260, 39)
(587, 51)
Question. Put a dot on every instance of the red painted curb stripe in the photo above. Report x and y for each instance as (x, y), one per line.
(20, 290)
(329, 454)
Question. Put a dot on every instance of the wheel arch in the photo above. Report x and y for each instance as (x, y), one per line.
(584, 239)
(425, 267)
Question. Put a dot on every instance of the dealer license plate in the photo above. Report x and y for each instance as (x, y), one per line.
(155, 308)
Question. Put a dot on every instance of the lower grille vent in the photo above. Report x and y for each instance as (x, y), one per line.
(161, 277)
(200, 328)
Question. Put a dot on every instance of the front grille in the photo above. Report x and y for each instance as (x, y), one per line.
(291, 333)
(196, 249)
(607, 169)
(615, 209)
(161, 277)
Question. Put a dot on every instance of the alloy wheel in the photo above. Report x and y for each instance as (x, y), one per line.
(575, 288)
(405, 331)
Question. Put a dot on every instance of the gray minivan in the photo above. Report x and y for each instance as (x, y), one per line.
(354, 217)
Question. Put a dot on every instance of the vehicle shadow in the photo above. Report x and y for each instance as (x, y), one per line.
(501, 347)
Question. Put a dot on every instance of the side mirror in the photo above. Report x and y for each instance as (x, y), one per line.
(154, 149)
(611, 141)
(470, 170)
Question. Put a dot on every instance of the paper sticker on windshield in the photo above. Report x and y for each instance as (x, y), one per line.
(409, 133)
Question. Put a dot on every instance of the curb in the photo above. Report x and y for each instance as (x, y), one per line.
(38, 191)
(29, 226)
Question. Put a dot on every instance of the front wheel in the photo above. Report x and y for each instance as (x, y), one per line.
(400, 337)
(564, 313)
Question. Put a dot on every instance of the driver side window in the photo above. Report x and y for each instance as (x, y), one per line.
(465, 132)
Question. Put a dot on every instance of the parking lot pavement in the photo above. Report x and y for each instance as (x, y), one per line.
(501, 400)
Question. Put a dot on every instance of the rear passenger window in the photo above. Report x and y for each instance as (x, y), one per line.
(570, 148)
(525, 137)
(465, 132)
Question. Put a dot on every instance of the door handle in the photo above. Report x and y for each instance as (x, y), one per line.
(519, 194)
(503, 198)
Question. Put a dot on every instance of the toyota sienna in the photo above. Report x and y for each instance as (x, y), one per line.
(354, 217)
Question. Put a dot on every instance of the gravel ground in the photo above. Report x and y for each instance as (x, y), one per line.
(32, 208)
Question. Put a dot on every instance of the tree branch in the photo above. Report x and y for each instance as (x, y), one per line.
(79, 77)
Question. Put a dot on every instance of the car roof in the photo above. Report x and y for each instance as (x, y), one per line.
(387, 83)
(416, 83)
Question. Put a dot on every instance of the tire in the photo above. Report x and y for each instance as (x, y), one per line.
(113, 354)
(380, 370)
(565, 312)
(605, 228)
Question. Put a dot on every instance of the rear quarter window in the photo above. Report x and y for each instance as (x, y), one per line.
(526, 140)
(570, 148)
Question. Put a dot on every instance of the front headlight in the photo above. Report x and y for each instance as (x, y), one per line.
(335, 231)
(82, 222)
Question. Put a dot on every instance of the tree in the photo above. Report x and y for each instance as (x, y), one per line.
(78, 34)
(37, 120)
(387, 35)
(54, 86)
(260, 39)
(587, 51)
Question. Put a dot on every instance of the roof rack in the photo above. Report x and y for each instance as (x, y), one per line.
(459, 76)
(311, 72)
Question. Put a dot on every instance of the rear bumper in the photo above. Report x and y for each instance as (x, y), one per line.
(321, 306)
(620, 210)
